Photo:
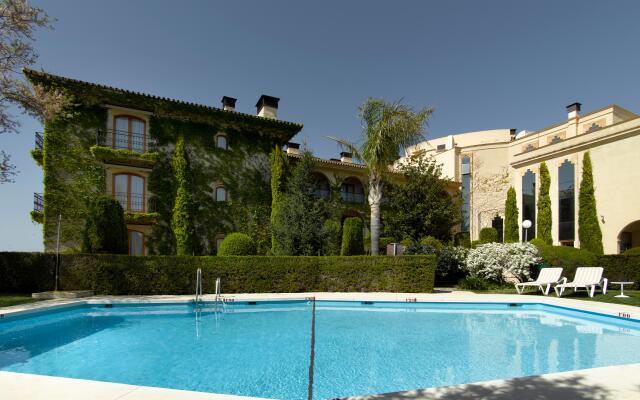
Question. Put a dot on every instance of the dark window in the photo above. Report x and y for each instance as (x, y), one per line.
(497, 223)
(466, 193)
(529, 203)
(441, 148)
(566, 202)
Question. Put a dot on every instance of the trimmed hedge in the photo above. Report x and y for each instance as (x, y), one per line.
(125, 275)
(237, 244)
(488, 235)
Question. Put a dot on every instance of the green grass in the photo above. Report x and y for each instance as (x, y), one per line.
(7, 300)
(632, 300)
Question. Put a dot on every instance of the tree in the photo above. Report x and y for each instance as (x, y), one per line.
(589, 231)
(105, 230)
(298, 226)
(420, 205)
(387, 129)
(18, 21)
(511, 233)
(544, 206)
(352, 237)
(182, 216)
(279, 163)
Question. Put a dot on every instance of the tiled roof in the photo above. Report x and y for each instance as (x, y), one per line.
(47, 75)
(331, 162)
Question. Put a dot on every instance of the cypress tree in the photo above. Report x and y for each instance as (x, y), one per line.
(352, 237)
(182, 218)
(106, 229)
(544, 206)
(278, 170)
(511, 217)
(589, 231)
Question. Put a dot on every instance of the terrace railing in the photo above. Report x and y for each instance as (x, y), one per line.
(116, 139)
(39, 142)
(350, 197)
(38, 202)
(134, 202)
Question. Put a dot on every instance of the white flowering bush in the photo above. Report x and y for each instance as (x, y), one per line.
(500, 261)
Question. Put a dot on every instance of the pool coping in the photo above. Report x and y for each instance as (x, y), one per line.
(623, 380)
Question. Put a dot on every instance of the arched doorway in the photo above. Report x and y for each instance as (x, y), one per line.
(629, 236)
(497, 223)
(321, 186)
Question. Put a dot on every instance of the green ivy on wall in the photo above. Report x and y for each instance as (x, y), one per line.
(544, 223)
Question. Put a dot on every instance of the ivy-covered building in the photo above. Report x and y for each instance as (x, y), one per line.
(125, 144)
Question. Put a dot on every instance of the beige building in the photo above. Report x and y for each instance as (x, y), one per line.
(486, 163)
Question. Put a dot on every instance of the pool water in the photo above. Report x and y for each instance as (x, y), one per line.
(263, 349)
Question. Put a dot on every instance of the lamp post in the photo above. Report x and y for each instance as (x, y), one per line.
(526, 224)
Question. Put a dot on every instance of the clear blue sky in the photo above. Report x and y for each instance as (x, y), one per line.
(481, 64)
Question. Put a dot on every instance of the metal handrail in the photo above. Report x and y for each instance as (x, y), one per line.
(134, 202)
(350, 197)
(198, 298)
(38, 202)
(39, 141)
(119, 139)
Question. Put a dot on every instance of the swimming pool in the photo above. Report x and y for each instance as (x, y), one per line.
(263, 348)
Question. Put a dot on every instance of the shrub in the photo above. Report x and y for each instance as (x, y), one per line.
(433, 242)
(474, 283)
(125, 275)
(488, 235)
(451, 265)
(497, 261)
(537, 242)
(589, 231)
(543, 221)
(105, 230)
(352, 237)
(634, 251)
(420, 249)
(568, 258)
(475, 243)
(511, 234)
(237, 244)
(462, 239)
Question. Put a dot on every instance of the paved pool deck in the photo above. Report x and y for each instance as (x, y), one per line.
(617, 382)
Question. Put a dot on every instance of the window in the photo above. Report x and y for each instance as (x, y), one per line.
(441, 148)
(221, 142)
(566, 202)
(352, 191)
(136, 243)
(129, 133)
(221, 194)
(465, 172)
(529, 203)
(129, 190)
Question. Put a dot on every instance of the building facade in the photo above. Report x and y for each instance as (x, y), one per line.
(487, 163)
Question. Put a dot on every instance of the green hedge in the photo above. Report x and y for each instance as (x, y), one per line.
(488, 235)
(237, 244)
(122, 275)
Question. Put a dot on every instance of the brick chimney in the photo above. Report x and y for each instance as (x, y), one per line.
(346, 157)
(573, 110)
(228, 103)
(293, 148)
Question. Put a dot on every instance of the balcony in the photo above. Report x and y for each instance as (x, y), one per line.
(138, 208)
(349, 197)
(39, 142)
(125, 140)
(38, 202)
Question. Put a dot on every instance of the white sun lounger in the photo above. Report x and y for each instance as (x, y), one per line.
(587, 278)
(546, 278)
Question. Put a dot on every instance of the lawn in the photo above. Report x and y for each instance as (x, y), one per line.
(632, 300)
(7, 300)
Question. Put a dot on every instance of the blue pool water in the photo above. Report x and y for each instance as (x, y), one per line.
(263, 349)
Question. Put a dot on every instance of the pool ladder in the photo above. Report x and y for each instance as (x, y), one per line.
(219, 302)
(198, 299)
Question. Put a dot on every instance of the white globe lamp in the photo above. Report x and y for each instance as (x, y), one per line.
(526, 224)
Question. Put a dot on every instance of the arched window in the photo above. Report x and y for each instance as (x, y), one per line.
(566, 203)
(221, 142)
(129, 133)
(221, 194)
(136, 243)
(321, 186)
(529, 203)
(465, 180)
(129, 190)
(352, 191)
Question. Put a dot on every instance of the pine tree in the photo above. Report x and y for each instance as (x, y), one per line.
(182, 218)
(589, 231)
(544, 206)
(279, 163)
(511, 217)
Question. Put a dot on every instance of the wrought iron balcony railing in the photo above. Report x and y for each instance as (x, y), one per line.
(39, 141)
(350, 197)
(138, 142)
(322, 193)
(134, 202)
(38, 202)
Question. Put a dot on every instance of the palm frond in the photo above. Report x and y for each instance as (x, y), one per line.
(345, 144)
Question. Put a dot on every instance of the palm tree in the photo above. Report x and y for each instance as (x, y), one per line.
(387, 128)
